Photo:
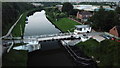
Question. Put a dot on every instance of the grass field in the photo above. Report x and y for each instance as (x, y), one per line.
(65, 24)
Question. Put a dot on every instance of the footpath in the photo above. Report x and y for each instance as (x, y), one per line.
(75, 20)
(10, 30)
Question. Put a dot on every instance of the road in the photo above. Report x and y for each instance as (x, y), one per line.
(10, 30)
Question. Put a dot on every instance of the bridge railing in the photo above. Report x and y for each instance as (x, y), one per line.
(49, 35)
(42, 36)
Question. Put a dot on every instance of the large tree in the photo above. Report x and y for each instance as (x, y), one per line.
(67, 7)
(104, 20)
(98, 19)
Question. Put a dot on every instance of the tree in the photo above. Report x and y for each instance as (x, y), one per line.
(98, 19)
(74, 12)
(117, 10)
(111, 20)
(67, 7)
(104, 20)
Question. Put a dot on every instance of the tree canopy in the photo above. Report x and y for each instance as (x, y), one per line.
(10, 13)
(118, 10)
(67, 7)
(104, 20)
(107, 52)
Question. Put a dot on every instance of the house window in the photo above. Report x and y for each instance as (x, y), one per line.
(114, 28)
(80, 29)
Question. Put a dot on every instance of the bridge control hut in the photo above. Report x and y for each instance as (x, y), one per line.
(82, 29)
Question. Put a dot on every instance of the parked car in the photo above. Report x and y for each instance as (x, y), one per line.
(106, 36)
(112, 38)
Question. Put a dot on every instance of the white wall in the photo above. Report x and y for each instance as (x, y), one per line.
(83, 30)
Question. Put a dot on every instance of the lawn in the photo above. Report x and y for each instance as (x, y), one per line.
(65, 24)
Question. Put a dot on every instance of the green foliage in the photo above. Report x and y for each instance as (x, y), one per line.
(10, 13)
(48, 4)
(74, 12)
(54, 14)
(16, 32)
(107, 52)
(118, 10)
(60, 20)
(89, 46)
(67, 7)
(104, 20)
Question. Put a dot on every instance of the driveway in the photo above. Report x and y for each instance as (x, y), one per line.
(98, 38)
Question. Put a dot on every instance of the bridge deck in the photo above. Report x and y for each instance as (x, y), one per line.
(55, 36)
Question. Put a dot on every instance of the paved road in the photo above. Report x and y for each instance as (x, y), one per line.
(10, 30)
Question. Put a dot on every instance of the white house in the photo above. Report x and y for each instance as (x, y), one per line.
(82, 29)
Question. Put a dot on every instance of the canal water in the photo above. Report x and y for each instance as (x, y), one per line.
(38, 24)
(52, 53)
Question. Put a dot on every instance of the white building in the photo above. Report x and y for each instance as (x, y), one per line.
(82, 29)
(119, 3)
(85, 7)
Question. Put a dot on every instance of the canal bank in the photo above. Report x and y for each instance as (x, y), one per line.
(64, 24)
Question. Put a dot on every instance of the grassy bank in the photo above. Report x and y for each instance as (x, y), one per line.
(89, 46)
(60, 19)
(15, 58)
(64, 24)
(107, 52)
(16, 32)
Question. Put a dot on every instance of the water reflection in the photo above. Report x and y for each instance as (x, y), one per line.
(38, 24)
